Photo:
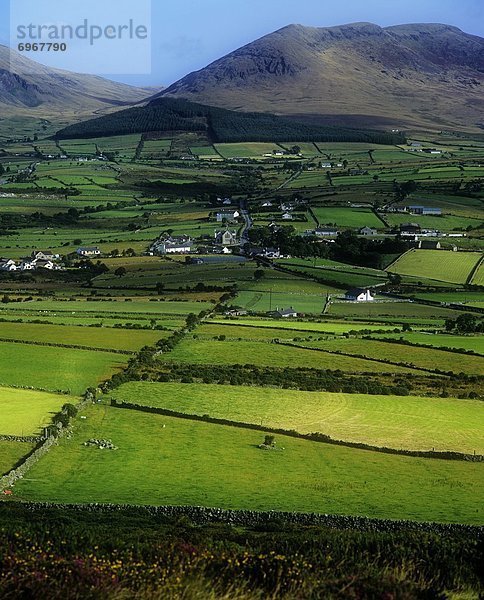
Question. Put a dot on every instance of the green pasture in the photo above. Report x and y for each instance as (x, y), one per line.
(53, 368)
(93, 337)
(166, 461)
(412, 356)
(347, 217)
(409, 422)
(417, 314)
(446, 222)
(25, 412)
(297, 325)
(478, 277)
(440, 340)
(452, 267)
(271, 355)
(247, 149)
(11, 453)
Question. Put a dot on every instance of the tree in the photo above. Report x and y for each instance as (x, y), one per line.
(259, 274)
(120, 271)
(160, 287)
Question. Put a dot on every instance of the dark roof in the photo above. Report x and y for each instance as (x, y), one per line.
(356, 291)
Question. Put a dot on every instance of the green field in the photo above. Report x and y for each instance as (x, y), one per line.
(427, 358)
(54, 368)
(297, 326)
(407, 422)
(452, 267)
(10, 453)
(439, 340)
(25, 412)
(478, 277)
(192, 463)
(246, 150)
(271, 355)
(112, 339)
(347, 217)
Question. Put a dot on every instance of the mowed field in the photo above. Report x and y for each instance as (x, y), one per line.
(25, 412)
(264, 354)
(166, 461)
(54, 368)
(93, 337)
(452, 267)
(478, 277)
(407, 422)
(426, 358)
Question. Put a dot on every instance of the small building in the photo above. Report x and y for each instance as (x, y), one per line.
(235, 313)
(174, 247)
(359, 295)
(283, 313)
(367, 231)
(326, 232)
(425, 210)
(226, 237)
(44, 255)
(429, 245)
(7, 264)
(88, 251)
(287, 216)
(410, 228)
(227, 215)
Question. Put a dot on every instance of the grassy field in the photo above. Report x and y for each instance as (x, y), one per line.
(406, 422)
(247, 149)
(397, 311)
(10, 453)
(439, 340)
(271, 355)
(478, 277)
(163, 460)
(54, 368)
(25, 412)
(410, 355)
(452, 267)
(112, 339)
(297, 326)
(347, 217)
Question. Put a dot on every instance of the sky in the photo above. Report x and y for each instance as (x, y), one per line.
(186, 35)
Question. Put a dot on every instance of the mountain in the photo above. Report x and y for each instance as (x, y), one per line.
(218, 124)
(45, 91)
(421, 75)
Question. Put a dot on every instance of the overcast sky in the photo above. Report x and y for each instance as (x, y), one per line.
(189, 34)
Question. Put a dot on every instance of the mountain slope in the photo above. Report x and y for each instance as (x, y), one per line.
(219, 124)
(403, 76)
(45, 90)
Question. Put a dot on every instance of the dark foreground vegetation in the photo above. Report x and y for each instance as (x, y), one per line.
(221, 125)
(93, 552)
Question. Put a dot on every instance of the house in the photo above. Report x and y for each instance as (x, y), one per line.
(235, 313)
(283, 313)
(326, 165)
(267, 203)
(287, 216)
(171, 246)
(7, 264)
(46, 264)
(26, 265)
(88, 251)
(227, 215)
(359, 295)
(367, 231)
(226, 238)
(429, 245)
(425, 210)
(409, 228)
(272, 253)
(44, 255)
(326, 231)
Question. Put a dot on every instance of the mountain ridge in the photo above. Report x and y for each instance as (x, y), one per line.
(411, 75)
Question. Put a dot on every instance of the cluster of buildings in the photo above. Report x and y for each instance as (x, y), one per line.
(39, 259)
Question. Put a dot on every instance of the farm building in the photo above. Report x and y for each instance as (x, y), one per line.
(326, 231)
(283, 313)
(367, 231)
(173, 247)
(88, 251)
(359, 295)
(227, 215)
(7, 265)
(429, 245)
(425, 210)
(44, 255)
(409, 228)
(226, 238)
